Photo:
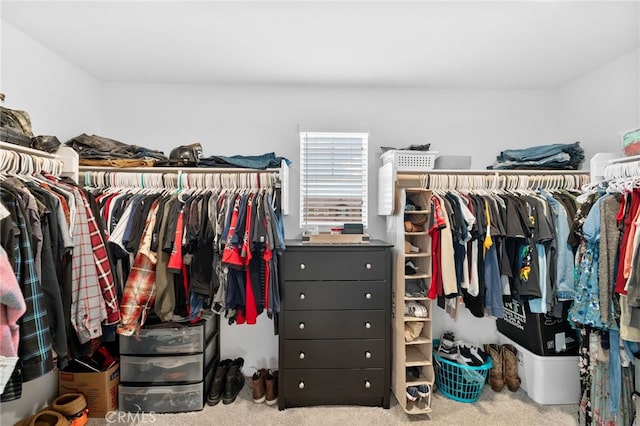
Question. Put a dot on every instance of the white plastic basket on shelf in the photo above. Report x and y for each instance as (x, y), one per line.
(409, 161)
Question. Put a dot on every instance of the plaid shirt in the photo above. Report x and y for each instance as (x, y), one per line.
(88, 308)
(140, 290)
(35, 338)
(105, 277)
(90, 263)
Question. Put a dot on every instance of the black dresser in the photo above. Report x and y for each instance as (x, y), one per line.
(335, 325)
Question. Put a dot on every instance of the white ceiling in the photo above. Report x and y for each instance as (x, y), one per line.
(477, 44)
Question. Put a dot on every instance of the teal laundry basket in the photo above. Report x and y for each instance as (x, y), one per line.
(460, 382)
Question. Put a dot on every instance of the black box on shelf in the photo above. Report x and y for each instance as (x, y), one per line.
(542, 334)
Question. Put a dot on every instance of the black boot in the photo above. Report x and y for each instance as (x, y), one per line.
(235, 381)
(219, 381)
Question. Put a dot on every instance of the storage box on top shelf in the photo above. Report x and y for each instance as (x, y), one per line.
(548, 380)
(100, 389)
(542, 334)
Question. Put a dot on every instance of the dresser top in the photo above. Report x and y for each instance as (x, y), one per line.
(372, 243)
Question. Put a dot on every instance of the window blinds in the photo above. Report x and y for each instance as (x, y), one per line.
(333, 174)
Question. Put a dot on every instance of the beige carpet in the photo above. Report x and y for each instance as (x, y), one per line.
(505, 408)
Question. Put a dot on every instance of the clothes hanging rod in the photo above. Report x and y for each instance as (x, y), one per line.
(25, 150)
(175, 170)
(624, 159)
(414, 175)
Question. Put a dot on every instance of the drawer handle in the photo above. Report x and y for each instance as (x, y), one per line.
(301, 385)
(368, 296)
(367, 354)
(302, 266)
(302, 296)
(301, 356)
(368, 266)
(301, 326)
(367, 325)
(367, 384)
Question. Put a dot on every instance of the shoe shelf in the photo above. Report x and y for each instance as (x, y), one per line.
(412, 335)
(410, 318)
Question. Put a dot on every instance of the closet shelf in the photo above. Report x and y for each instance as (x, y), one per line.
(408, 255)
(173, 170)
(417, 233)
(412, 409)
(26, 150)
(416, 212)
(415, 276)
(419, 341)
(410, 318)
(416, 298)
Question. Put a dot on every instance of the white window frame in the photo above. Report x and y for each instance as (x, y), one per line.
(317, 183)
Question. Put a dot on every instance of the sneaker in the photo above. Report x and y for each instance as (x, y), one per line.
(448, 347)
(472, 355)
(412, 393)
(410, 268)
(410, 248)
(423, 391)
(415, 309)
(413, 373)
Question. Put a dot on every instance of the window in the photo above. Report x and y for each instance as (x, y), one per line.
(333, 178)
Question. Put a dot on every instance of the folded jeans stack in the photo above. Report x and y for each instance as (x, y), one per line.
(554, 156)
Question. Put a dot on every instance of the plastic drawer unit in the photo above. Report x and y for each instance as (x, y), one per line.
(165, 398)
(162, 341)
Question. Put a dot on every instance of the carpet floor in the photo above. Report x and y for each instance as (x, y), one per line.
(504, 408)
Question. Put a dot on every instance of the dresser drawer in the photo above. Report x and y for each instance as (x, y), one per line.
(161, 369)
(369, 353)
(336, 325)
(336, 265)
(335, 295)
(333, 386)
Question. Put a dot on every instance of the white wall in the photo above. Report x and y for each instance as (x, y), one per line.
(61, 99)
(64, 101)
(598, 105)
(253, 120)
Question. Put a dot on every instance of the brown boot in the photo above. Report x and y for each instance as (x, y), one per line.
(272, 387)
(496, 378)
(258, 385)
(510, 366)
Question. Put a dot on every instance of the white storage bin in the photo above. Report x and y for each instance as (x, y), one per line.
(409, 161)
(161, 369)
(159, 341)
(548, 380)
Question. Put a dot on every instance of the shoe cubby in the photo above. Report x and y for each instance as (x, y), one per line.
(412, 363)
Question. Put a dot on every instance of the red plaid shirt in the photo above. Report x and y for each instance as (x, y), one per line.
(140, 289)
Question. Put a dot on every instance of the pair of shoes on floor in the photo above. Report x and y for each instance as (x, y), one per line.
(264, 385)
(228, 381)
(505, 367)
(69, 409)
